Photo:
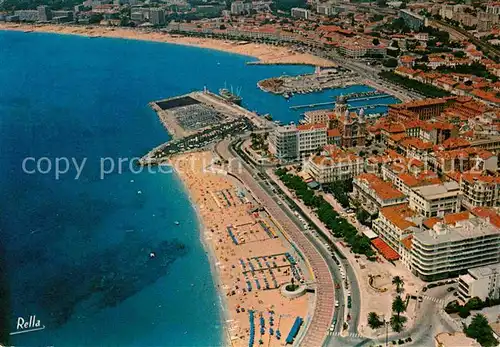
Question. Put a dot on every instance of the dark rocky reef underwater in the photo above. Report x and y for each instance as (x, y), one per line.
(107, 278)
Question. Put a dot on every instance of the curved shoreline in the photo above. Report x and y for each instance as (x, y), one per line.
(266, 54)
(212, 260)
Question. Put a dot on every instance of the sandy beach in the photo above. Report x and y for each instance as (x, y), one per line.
(251, 258)
(266, 54)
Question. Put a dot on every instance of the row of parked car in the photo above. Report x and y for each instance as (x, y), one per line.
(438, 284)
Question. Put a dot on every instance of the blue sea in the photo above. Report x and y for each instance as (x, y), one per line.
(75, 248)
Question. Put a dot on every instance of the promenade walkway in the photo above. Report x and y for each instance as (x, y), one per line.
(324, 305)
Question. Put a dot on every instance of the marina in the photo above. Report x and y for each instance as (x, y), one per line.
(320, 80)
(198, 119)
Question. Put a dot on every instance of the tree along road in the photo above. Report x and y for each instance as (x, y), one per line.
(324, 303)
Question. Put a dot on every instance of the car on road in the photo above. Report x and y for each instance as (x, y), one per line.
(337, 303)
(450, 289)
(420, 299)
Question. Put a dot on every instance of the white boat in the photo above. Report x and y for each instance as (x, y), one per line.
(176, 223)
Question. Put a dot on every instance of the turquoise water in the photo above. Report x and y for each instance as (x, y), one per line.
(76, 249)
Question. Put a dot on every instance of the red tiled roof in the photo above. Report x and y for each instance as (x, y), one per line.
(386, 251)
(333, 132)
(384, 190)
(399, 215)
(485, 212)
(407, 242)
(429, 223)
(453, 218)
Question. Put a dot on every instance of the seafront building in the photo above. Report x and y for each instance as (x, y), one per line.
(157, 16)
(283, 143)
(311, 138)
(26, 15)
(44, 14)
(289, 143)
(482, 282)
(333, 164)
(450, 250)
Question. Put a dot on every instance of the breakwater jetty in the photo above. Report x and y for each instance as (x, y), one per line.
(350, 97)
(198, 119)
(287, 86)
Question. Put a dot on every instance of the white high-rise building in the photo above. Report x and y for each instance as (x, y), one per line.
(482, 282)
(449, 250)
(157, 16)
(283, 143)
(311, 138)
(298, 12)
(238, 7)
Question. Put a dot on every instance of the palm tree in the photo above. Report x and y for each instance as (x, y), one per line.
(398, 282)
(398, 323)
(374, 321)
(398, 305)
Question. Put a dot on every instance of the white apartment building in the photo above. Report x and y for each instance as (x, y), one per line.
(373, 193)
(298, 12)
(283, 143)
(479, 190)
(493, 7)
(311, 138)
(334, 166)
(436, 199)
(292, 142)
(482, 282)
(449, 250)
(239, 7)
(27, 15)
(324, 9)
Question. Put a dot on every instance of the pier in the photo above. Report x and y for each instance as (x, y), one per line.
(350, 97)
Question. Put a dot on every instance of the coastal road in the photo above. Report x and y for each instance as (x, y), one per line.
(325, 299)
(342, 310)
(322, 239)
(371, 77)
